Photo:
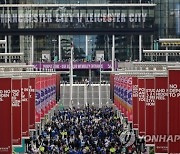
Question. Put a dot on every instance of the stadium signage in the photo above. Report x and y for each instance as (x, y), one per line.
(76, 65)
(73, 17)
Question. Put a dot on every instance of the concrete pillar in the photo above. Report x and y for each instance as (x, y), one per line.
(86, 46)
(140, 48)
(59, 49)
(71, 77)
(166, 55)
(113, 52)
(85, 95)
(90, 74)
(32, 50)
(6, 48)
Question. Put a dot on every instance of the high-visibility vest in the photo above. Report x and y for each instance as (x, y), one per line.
(112, 150)
(115, 117)
(87, 148)
(65, 133)
(66, 149)
(41, 148)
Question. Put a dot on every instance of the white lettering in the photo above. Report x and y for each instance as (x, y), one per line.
(131, 17)
(16, 99)
(144, 17)
(69, 17)
(123, 17)
(173, 86)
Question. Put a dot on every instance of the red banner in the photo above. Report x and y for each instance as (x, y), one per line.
(135, 102)
(141, 106)
(123, 106)
(49, 93)
(51, 88)
(5, 116)
(129, 100)
(54, 91)
(161, 114)
(174, 111)
(42, 82)
(38, 99)
(32, 103)
(46, 96)
(112, 87)
(118, 91)
(149, 115)
(125, 86)
(115, 91)
(16, 112)
(57, 86)
(25, 108)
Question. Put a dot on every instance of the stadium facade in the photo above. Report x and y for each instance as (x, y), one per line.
(45, 29)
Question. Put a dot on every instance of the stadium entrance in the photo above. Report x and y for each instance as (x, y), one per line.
(46, 32)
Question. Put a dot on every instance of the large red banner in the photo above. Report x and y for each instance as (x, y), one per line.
(149, 115)
(115, 91)
(16, 112)
(123, 107)
(129, 99)
(141, 106)
(124, 100)
(54, 91)
(49, 93)
(38, 99)
(5, 116)
(174, 111)
(118, 91)
(46, 96)
(51, 88)
(32, 103)
(161, 114)
(57, 86)
(25, 108)
(135, 102)
(42, 82)
(112, 87)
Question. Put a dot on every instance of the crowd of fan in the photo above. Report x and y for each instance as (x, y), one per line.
(87, 131)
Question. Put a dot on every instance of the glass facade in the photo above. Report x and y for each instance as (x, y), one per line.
(88, 26)
(167, 18)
